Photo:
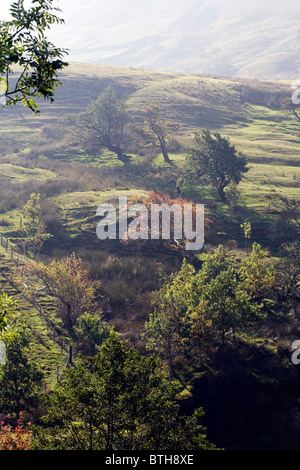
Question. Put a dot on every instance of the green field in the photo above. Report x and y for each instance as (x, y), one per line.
(250, 113)
(38, 154)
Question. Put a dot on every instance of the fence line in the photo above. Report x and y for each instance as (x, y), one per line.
(17, 255)
(20, 257)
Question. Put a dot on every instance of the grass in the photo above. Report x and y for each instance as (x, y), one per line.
(46, 352)
(267, 182)
(20, 173)
(37, 154)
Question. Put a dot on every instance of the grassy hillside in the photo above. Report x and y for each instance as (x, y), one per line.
(38, 154)
(255, 115)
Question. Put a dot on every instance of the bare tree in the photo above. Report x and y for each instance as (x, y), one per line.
(156, 131)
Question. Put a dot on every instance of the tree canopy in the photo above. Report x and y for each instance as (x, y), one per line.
(103, 125)
(214, 160)
(20, 378)
(196, 308)
(118, 400)
(68, 282)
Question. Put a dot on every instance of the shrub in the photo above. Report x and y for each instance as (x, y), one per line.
(14, 437)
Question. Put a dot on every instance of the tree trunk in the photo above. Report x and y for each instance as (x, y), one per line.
(165, 155)
(221, 193)
(68, 321)
(118, 151)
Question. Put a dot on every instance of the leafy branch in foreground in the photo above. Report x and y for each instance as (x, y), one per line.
(29, 63)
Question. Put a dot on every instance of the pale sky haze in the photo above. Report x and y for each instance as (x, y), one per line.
(251, 38)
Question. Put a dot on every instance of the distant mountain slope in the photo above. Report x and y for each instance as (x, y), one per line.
(240, 38)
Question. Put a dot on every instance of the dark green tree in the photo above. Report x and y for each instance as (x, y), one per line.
(257, 273)
(29, 63)
(214, 160)
(167, 328)
(20, 378)
(230, 305)
(194, 309)
(118, 400)
(89, 333)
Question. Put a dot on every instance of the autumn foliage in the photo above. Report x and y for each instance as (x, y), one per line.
(14, 437)
(160, 198)
(68, 282)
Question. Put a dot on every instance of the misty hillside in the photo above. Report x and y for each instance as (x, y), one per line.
(245, 38)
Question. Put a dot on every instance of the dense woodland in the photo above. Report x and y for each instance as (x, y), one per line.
(142, 344)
